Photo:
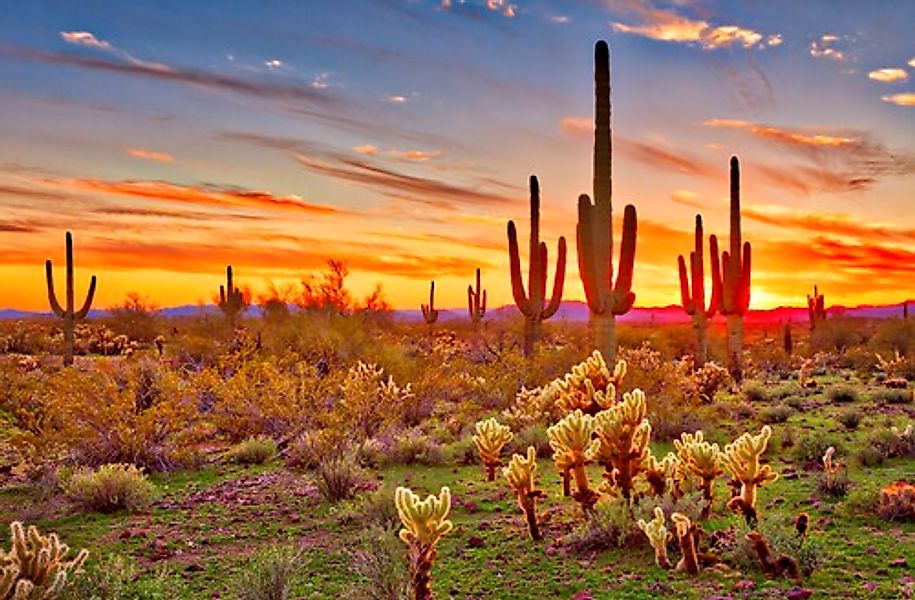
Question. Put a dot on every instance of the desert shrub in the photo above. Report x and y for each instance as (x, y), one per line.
(253, 451)
(795, 402)
(369, 401)
(608, 526)
(811, 446)
(307, 450)
(379, 566)
(808, 551)
(461, 452)
(836, 485)
(410, 447)
(339, 478)
(775, 414)
(269, 575)
(109, 488)
(897, 502)
(374, 509)
(842, 393)
(136, 317)
(708, 379)
(862, 500)
(895, 336)
(754, 392)
(871, 456)
(903, 441)
(837, 335)
(850, 419)
(531, 436)
(117, 578)
(892, 396)
(785, 390)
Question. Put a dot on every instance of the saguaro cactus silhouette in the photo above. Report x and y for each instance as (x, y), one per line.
(694, 302)
(476, 302)
(734, 279)
(816, 307)
(430, 314)
(69, 315)
(595, 227)
(231, 299)
(532, 304)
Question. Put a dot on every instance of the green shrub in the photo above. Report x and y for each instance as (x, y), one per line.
(117, 578)
(269, 575)
(842, 393)
(871, 456)
(892, 396)
(380, 565)
(811, 446)
(755, 392)
(775, 414)
(109, 488)
(862, 500)
(850, 419)
(253, 451)
(535, 436)
(339, 478)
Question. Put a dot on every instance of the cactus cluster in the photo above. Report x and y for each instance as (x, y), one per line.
(520, 475)
(69, 315)
(816, 307)
(741, 458)
(424, 524)
(703, 460)
(605, 296)
(430, 313)
(533, 303)
(491, 436)
(623, 433)
(589, 385)
(692, 291)
(573, 448)
(36, 565)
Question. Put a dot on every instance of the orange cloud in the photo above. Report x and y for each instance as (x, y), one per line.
(577, 125)
(888, 75)
(687, 198)
(786, 135)
(366, 149)
(415, 155)
(826, 223)
(150, 155)
(905, 99)
(825, 48)
(666, 160)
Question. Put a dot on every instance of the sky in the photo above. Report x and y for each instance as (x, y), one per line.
(173, 138)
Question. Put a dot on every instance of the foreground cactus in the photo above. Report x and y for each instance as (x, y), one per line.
(476, 302)
(424, 524)
(69, 315)
(489, 439)
(694, 301)
(816, 307)
(623, 433)
(605, 298)
(231, 299)
(532, 304)
(733, 278)
(572, 447)
(35, 567)
(520, 476)
(703, 460)
(430, 314)
(687, 532)
(741, 458)
(589, 385)
(656, 532)
(664, 475)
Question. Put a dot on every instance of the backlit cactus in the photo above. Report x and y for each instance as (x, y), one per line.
(69, 315)
(35, 565)
(656, 532)
(572, 447)
(520, 475)
(733, 278)
(664, 475)
(606, 298)
(589, 385)
(830, 466)
(702, 459)
(816, 308)
(489, 439)
(623, 433)
(741, 458)
(424, 524)
(687, 532)
(692, 292)
(476, 302)
(430, 314)
(533, 304)
(231, 299)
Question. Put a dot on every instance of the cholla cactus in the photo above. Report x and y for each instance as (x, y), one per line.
(664, 475)
(572, 447)
(489, 439)
(369, 401)
(703, 460)
(520, 476)
(686, 537)
(425, 522)
(830, 467)
(35, 566)
(589, 385)
(741, 458)
(656, 532)
(623, 432)
(532, 406)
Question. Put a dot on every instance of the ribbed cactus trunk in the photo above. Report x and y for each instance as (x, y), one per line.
(476, 304)
(595, 227)
(693, 297)
(69, 315)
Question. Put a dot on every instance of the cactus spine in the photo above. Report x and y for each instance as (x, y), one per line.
(533, 304)
(430, 313)
(734, 279)
(231, 299)
(694, 302)
(69, 315)
(816, 307)
(605, 299)
(476, 302)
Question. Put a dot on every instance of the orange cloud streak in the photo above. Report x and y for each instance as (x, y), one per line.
(162, 157)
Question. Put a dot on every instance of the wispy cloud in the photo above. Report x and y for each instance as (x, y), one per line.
(666, 160)
(824, 223)
(904, 99)
(687, 198)
(475, 7)
(366, 149)
(89, 40)
(162, 157)
(577, 125)
(888, 75)
(790, 136)
(826, 47)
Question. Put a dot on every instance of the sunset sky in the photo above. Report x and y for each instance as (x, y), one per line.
(174, 138)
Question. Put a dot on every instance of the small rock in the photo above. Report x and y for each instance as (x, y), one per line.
(900, 563)
(798, 593)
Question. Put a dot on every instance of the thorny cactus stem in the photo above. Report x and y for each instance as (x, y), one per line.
(741, 458)
(692, 292)
(520, 475)
(657, 534)
(703, 460)
(572, 447)
(424, 524)
(69, 315)
(489, 439)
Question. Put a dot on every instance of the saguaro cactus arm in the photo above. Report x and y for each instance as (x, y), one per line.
(231, 299)
(476, 301)
(430, 313)
(68, 314)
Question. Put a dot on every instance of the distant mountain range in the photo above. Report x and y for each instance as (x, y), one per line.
(572, 311)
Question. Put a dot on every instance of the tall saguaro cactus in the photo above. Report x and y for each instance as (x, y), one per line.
(231, 299)
(533, 304)
(430, 313)
(816, 307)
(734, 279)
(69, 315)
(476, 302)
(605, 298)
(694, 301)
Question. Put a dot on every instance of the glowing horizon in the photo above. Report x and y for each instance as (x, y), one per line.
(401, 142)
